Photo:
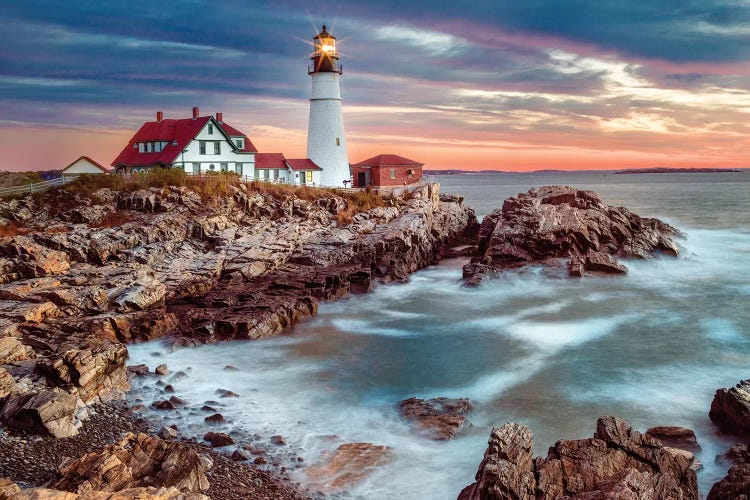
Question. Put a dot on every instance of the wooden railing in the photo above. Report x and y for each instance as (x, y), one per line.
(33, 188)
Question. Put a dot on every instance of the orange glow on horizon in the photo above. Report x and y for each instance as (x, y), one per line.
(62, 146)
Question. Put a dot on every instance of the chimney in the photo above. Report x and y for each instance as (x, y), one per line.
(159, 116)
(220, 117)
(196, 112)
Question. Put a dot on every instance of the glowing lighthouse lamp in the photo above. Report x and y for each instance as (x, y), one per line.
(326, 144)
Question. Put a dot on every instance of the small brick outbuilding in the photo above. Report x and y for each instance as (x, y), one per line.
(386, 171)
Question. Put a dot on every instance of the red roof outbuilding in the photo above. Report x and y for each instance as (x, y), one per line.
(270, 160)
(302, 164)
(388, 160)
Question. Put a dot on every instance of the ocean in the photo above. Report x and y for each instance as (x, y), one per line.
(533, 347)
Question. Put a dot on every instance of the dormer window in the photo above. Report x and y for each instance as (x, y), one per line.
(210, 129)
(240, 143)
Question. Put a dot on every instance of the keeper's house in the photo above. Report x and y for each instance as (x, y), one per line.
(197, 145)
(83, 165)
(386, 171)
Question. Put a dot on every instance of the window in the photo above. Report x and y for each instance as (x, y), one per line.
(210, 129)
(217, 148)
(393, 173)
(223, 167)
(338, 141)
(203, 147)
(276, 174)
(238, 168)
(212, 167)
(266, 174)
(196, 168)
(308, 176)
(240, 143)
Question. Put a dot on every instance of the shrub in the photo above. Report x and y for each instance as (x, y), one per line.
(115, 218)
(12, 229)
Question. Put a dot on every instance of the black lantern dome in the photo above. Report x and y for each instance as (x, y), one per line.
(325, 57)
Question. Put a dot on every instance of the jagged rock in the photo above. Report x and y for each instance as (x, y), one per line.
(278, 440)
(507, 470)
(41, 411)
(161, 370)
(730, 409)
(737, 454)
(8, 488)
(675, 437)
(735, 485)
(168, 433)
(7, 383)
(218, 439)
(148, 493)
(139, 370)
(239, 455)
(12, 349)
(349, 464)
(36, 260)
(618, 462)
(438, 418)
(561, 222)
(97, 374)
(138, 460)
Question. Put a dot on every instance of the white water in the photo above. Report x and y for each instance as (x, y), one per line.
(532, 346)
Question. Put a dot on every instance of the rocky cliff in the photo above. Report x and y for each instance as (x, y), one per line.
(563, 223)
(117, 267)
(618, 462)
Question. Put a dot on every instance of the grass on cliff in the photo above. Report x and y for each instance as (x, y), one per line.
(212, 188)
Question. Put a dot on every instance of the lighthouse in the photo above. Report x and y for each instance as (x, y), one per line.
(326, 144)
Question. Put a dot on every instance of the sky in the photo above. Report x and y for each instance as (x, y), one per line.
(509, 85)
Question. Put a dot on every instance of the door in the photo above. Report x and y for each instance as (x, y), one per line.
(361, 179)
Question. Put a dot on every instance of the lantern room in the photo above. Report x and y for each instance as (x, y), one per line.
(325, 57)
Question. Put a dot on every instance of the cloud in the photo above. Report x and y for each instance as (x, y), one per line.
(646, 78)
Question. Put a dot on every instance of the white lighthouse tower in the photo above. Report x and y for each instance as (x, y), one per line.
(326, 143)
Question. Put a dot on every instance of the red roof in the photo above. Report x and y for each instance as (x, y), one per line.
(388, 161)
(302, 164)
(180, 131)
(270, 160)
(93, 162)
(233, 132)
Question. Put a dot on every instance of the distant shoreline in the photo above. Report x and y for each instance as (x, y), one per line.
(678, 171)
(656, 170)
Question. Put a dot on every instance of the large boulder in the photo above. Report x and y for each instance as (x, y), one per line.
(618, 462)
(560, 222)
(349, 464)
(735, 485)
(675, 437)
(730, 409)
(138, 460)
(437, 418)
(97, 374)
(507, 470)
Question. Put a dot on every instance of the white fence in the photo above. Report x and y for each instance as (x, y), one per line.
(33, 188)
(383, 191)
